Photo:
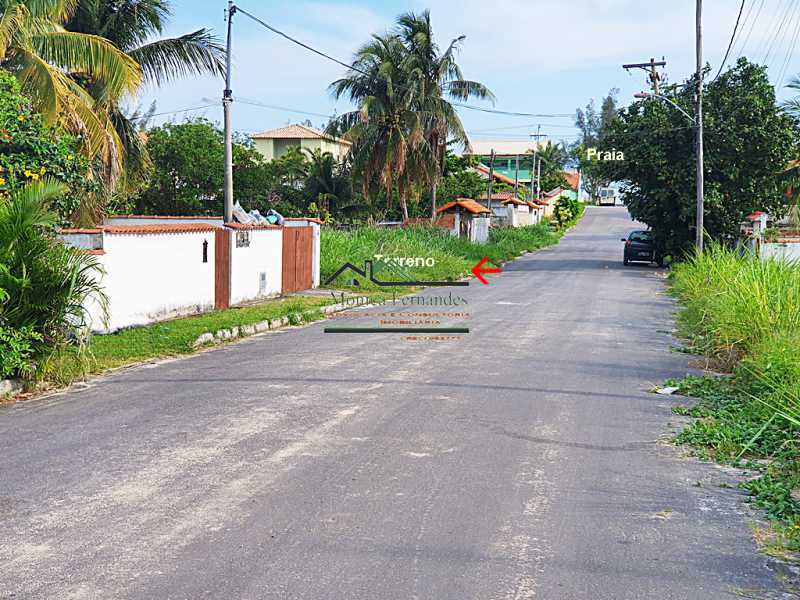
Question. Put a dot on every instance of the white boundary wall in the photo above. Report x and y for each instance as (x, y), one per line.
(781, 251)
(155, 276)
(262, 258)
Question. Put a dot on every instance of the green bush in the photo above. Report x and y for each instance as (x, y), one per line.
(46, 283)
(17, 347)
(30, 151)
(567, 211)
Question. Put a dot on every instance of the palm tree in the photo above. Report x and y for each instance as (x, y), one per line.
(47, 283)
(792, 106)
(53, 65)
(326, 182)
(436, 77)
(134, 26)
(387, 130)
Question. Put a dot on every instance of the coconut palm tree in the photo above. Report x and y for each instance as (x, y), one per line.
(53, 66)
(388, 129)
(135, 27)
(436, 79)
(792, 106)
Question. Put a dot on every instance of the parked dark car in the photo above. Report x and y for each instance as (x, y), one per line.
(640, 247)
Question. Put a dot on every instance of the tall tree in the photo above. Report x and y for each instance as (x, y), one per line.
(55, 65)
(594, 125)
(136, 27)
(750, 143)
(553, 157)
(436, 78)
(388, 129)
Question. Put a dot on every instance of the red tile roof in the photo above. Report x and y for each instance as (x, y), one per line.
(80, 230)
(498, 176)
(498, 196)
(297, 132)
(170, 217)
(467, 204)
(573, 180)
(158, 228)
(94, 252)
(312, 219)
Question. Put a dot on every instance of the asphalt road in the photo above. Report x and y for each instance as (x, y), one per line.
(525, 459)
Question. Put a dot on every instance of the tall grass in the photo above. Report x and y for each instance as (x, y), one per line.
(453, 256)
(734, 304)
(744, 313)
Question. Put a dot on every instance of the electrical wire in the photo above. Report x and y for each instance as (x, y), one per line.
(730, 44)
(792, 45)
(750, 31)
(241, 100)
(775, 43)
(171, 112)
(357, 70)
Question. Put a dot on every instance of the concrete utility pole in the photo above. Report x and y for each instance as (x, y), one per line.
(227, 98)
(698, 115)
(516, 175)
(536, 136)
(653, 75)
(491, 181)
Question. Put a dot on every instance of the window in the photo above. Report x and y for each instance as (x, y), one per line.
(641, 236)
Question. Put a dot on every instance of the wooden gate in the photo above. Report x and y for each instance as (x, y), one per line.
(222, 268)
(298, 256)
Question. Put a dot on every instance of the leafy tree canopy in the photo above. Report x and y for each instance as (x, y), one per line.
(749, 142)
(31, 151)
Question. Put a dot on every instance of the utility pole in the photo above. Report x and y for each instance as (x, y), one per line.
(536, 136)
(651, 67)
(516, 176)
(698, 115)
(539, 177)
(227, 98)
(491, 181)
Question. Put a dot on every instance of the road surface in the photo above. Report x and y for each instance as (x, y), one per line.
(526, 459)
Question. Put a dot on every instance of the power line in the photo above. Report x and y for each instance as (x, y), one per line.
(789, 54)
(171, 112)
(281, 108)
(357, 70)
(781, 21)
(733, 36)
(493, 129)
(752, 27)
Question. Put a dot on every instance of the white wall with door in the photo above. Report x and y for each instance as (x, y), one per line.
(256, 262)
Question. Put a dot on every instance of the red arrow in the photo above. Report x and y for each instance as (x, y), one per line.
(478, 270)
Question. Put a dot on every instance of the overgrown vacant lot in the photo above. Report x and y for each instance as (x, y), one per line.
(744, 315)
(454, 257)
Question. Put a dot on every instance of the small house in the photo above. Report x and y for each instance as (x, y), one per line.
(471, 219)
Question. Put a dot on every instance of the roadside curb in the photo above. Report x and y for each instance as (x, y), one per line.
(224, 335)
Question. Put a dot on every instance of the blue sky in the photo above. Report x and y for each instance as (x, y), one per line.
(537, 56)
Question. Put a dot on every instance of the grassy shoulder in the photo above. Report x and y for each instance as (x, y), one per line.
(174, 337)
(743, 314)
